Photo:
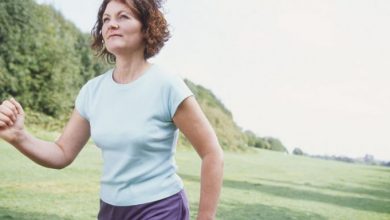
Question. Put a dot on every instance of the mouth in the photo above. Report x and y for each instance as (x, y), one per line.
(114, 35)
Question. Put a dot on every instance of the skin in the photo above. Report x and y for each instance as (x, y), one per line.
(123, 38)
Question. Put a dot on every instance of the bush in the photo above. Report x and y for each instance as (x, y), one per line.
(297, 151)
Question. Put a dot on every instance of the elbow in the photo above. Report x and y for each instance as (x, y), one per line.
(56, 166)
(221, 157)
(218, 157)
(63, 160)
(214, 155)
(59, 165)
(217, 161)
(220, 153)
(64, 164)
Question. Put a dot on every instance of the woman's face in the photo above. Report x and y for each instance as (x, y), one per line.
(121, 29)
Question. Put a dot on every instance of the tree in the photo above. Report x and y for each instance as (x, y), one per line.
(297, 151)
(276, 144)
(44, 59)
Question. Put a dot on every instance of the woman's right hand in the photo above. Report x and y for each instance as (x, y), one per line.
(58, 154)
(11, 120)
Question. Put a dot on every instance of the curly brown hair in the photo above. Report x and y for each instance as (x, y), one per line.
(154, 27)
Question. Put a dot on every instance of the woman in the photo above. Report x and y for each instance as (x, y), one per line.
(133, 113)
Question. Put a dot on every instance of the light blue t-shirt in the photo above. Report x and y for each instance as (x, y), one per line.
(132, 125)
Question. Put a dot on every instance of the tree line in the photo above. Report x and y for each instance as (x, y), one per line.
(368, 159)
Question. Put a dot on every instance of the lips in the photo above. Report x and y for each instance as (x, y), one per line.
(114, 35)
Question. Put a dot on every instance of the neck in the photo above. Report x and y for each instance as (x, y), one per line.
(128, 69)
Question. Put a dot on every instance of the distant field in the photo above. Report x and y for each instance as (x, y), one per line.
(258, 185)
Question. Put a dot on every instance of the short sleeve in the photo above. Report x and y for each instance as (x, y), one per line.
(178, 92)
(81, 102)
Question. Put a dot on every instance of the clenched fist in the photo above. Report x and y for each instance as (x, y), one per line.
(11, 120)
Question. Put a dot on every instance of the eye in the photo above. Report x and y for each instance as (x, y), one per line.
(123, 16)
(105, 19)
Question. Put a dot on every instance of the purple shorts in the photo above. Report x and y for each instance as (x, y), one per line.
(174, 207)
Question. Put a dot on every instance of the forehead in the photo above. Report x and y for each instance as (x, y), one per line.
(116, 6)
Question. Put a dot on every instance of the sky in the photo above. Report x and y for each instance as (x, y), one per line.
(314, 74)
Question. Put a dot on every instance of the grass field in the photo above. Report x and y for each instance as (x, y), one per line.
(258, 185)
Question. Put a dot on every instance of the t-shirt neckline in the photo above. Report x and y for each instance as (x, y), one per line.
(132, 83)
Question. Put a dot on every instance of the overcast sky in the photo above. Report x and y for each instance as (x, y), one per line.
(313, 73)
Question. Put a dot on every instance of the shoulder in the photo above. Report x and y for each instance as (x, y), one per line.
(99, 78)
(165, 76)
(96, 81)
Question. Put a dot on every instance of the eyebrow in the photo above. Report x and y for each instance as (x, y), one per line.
(119, 12)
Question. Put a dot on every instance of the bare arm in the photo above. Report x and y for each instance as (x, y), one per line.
(58, 154)
(190, 119)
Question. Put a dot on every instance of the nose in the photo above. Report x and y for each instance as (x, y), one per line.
(113, 26)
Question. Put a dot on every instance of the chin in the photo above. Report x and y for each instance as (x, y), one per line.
(115, 48)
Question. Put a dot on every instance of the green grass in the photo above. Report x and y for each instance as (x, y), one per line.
(258, 185)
